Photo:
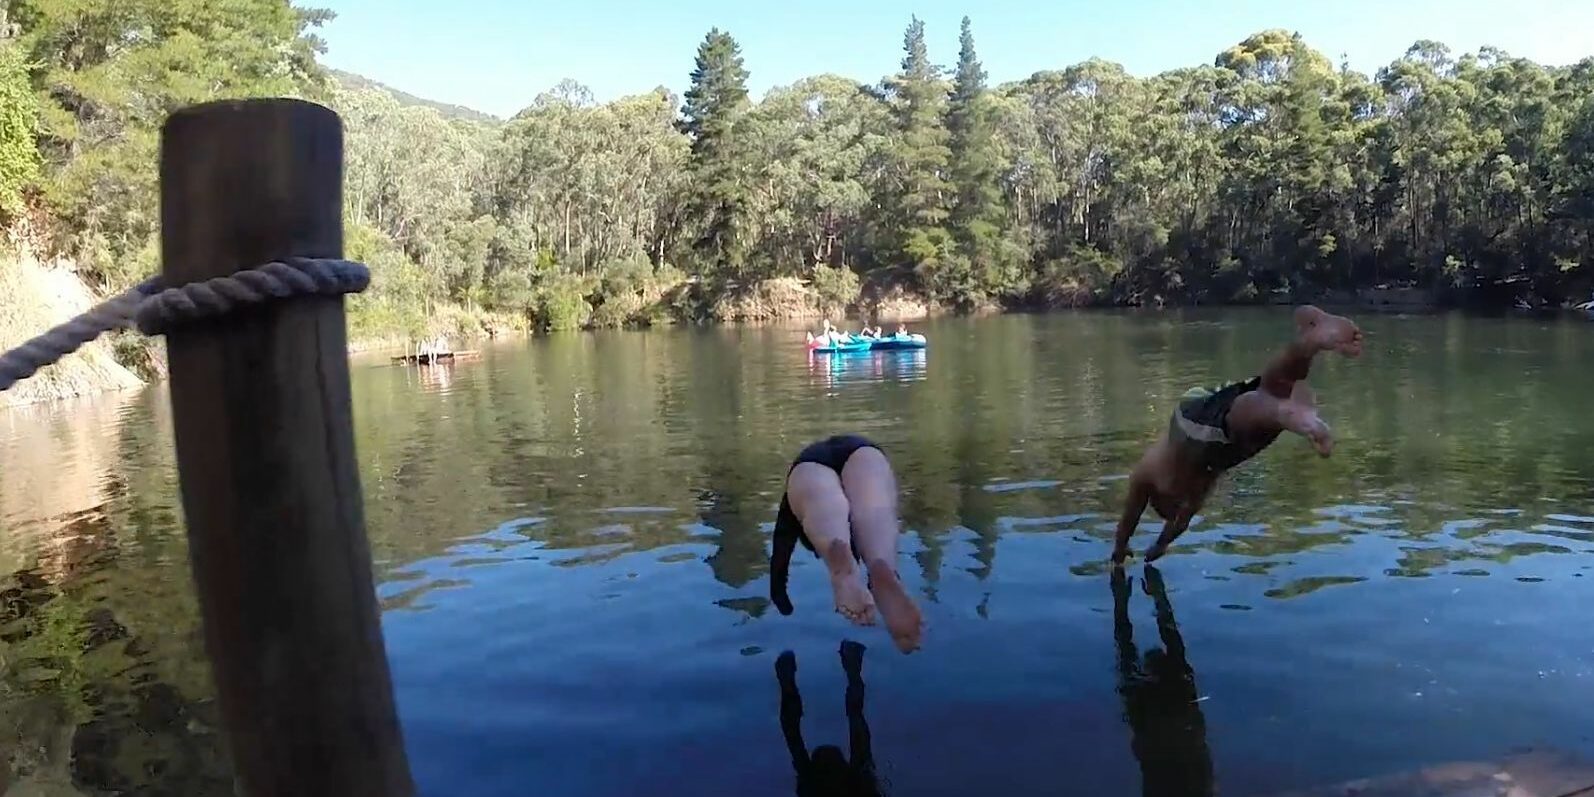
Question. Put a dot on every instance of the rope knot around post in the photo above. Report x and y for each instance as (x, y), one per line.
(155, 309)
(297, 276)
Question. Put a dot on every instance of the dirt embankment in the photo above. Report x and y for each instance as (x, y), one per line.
(789, 298)
(36, 295)
(895, 304)
(767, 300)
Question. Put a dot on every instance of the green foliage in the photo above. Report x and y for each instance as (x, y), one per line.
(633, 294)
(19, 114)
(575, 184)
(837, 287)
(106, 74)
(396, 301)
(1264, 172)
(917, 191)
(1077, 276)
(717, 200)
(977, 217)
(562, 303)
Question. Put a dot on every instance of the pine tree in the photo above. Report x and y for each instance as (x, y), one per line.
(921, 158)
(715, 102)
(977, 214)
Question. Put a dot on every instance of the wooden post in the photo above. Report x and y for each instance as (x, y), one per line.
(265, 452)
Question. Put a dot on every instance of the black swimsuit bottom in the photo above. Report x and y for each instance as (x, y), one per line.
(833, 453)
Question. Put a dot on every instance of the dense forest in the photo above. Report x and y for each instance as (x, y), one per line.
(1268, 173)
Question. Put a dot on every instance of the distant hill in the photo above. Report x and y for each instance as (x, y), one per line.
(449, 111)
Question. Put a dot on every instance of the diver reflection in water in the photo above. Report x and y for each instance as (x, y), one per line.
(826, 771)
(1169, 735)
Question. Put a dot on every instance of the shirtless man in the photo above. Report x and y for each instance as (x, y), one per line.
(1213, 431)
(841, 503)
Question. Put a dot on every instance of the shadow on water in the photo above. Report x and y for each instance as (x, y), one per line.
(827, 771)
(1161, 702)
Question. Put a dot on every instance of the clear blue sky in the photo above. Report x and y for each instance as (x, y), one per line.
(496, 55)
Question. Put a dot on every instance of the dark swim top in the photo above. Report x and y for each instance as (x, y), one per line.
(1199, 428)
(833, 453)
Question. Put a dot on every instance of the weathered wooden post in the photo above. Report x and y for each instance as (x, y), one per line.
(265, 448)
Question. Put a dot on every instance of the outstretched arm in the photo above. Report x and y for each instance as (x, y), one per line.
(786, 530)
(1134, 507)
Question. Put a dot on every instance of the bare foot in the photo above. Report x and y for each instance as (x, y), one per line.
(852, 600)
(1305, 422)
(902, 616)
(1155, 552)
(1327, 332)
(1118, 556)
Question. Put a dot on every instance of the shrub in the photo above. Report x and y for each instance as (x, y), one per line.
(837, 288)
(562, 302)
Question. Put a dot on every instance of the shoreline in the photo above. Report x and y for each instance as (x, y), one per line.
(378, 349)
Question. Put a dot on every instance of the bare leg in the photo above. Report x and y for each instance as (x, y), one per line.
(1315, 332)
(1284, 402)
(871, 491)
(820, 504)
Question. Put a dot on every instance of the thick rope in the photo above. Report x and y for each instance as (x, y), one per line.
(156, 309)
(220, 295)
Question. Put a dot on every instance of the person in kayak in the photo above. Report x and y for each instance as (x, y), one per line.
(841, 504)
(830, 336)
(1212, 431)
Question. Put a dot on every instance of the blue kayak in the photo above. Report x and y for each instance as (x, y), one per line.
(900, 342)
(856, 344)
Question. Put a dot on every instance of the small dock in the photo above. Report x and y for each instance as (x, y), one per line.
(435, 358)
(1533, 773)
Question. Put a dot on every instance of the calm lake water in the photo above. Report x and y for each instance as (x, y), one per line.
(571, 538)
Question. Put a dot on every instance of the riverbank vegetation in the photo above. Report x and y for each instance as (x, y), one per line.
(1270, 172)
